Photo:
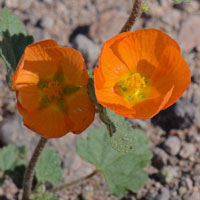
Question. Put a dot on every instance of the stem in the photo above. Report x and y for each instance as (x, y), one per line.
(28, 177)
(133, 16)
(64, 186)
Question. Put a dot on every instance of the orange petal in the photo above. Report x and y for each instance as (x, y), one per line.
(98, 79)
(29, 97)
(72, 65)
(21, 110)
(24, 78)
(175, 73)
(108, 95)
(37, 61)
(149, 108)
(80, 110)
(142, 47)
(48, 122)
(109, 61)
(46, 70)
(37, 51)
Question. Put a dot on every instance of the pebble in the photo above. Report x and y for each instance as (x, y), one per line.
(189, 33)
(108, 24)
(172, 145)
(160, 157)
(182, 191)
(88, 48)
(183, 114)
(187, 150)
(10, 126)
(172, 17)
(47, 22)
(164, 194)
(39, 34)
(193, 196)
(189, 183)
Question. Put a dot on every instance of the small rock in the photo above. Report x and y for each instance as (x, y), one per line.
(160, 158)
(183, 114)
(182, 191)
(172, 17)
(9, 188)
(47, 22)
(19, 4)
(164, 194)
(196, 95)
(88, 48)
(176, 198)
(192, 7)
(196, 170)
(193, 196)
(187, 150)
(9, 127)
(12, 3)
(189, 183)
(1, 192)
(172, 145)
(108, 24)
(40, 34)
(189, 33)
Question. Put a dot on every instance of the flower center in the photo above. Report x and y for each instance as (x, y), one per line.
(131, 87)
(53, 90)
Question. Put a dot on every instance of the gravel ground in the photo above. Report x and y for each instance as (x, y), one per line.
(174, 133)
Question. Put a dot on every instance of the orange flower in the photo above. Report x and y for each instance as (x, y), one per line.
(140, 73)
(51, 89)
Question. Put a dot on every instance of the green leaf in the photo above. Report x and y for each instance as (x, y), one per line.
(122, 171)
(14, 40)
(11, 23)
(12, 157)
(45, 196)
(48, 168)
(40, 193)
(126, 139)
(177, 1)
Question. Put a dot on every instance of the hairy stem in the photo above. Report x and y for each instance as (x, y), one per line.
(133, 16)
(64, 186)
(28, 177)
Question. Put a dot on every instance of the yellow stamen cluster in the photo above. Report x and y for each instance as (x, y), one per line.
(130, 87)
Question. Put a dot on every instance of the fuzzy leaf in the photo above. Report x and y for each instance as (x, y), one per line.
(125, 139)
(14, 39)
(122, 171)
(48, 168)
(12, 157)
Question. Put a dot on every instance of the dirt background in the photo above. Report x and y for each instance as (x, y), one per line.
(175, 133)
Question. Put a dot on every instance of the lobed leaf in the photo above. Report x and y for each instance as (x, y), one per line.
(122, 171)
(11, 157)
(48, 168)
